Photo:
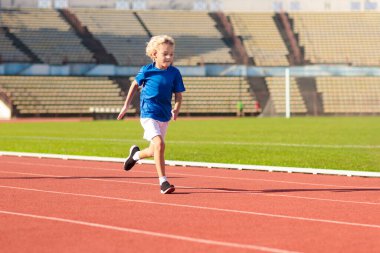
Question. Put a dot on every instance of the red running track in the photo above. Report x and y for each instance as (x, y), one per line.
(52, 205)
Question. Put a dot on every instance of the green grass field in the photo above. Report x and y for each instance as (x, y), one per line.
(346, 143)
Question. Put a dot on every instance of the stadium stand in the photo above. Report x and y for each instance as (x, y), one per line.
(261, 38)
(350, 95)
(339, 37)
(119, 31)
(8, 52)
(124, 33)
(47, 35)
(53, 95)
(276, 89)
(217, 95)
(197, 38)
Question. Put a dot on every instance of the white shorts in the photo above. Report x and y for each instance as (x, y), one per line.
(153, 128)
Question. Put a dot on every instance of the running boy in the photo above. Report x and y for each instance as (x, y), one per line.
(158, 80)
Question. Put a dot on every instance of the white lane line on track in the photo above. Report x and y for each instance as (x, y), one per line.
(376, 226)
(209, 189)
(314, 171)
(149, 233)
(195, 175)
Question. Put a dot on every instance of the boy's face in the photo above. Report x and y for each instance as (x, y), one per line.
(164, 55)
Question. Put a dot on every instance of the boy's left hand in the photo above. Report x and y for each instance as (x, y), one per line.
(174, 114)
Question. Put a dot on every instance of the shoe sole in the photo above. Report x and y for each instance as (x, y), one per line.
(168, 191)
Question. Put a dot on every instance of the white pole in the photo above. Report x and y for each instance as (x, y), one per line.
(287, 93)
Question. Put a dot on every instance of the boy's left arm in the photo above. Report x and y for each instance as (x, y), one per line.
(177, 105)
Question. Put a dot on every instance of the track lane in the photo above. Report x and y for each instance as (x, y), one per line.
(292, 207)
(220, 194)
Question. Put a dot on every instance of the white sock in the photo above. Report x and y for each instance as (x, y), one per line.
(162, 179)
(136, 156)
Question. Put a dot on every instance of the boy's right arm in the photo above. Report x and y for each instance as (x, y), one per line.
(128, 100)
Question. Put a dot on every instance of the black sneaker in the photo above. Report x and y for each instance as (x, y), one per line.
(129, 163)
(167, 188)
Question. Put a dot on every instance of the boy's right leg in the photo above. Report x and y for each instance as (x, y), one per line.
(141, 154)
(156, 149)
(155, 131)
(130, 162)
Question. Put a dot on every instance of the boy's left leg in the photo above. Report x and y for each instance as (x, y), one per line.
(159, 159)
(155, 131)
(159, 155)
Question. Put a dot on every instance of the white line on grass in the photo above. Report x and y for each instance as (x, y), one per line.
(302, 145)
(149, 233)
(375, 226)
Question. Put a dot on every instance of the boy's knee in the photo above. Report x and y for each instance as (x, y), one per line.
(159, 144)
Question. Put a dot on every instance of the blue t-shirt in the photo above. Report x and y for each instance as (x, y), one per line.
(158, 87)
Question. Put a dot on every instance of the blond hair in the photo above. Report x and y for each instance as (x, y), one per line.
(155, 41)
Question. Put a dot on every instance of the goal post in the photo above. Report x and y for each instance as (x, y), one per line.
(287, 93)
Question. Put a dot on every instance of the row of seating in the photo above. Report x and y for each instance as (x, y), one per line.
(47, 35)
(55, 95)
(8, 52)
(276, 87)
(60, 95)
(332, 38)
(339, 95)
(261, 38)
(45, 94)
(120, 33)
(339, 38)
(197, 39)
(350, 95)
(218, 95)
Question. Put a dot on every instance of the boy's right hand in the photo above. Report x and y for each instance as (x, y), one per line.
(122, 113)
(120, 116)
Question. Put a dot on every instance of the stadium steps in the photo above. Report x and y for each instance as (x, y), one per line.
(283, 23)
(88, 40)
(198, 41)
(237, 48)
(276, 87)
(47, 35)
(310, 94)
(120, 33)
(261, 38)
(20, 45)
(9, 52)
(260, 90)
(150, 34)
